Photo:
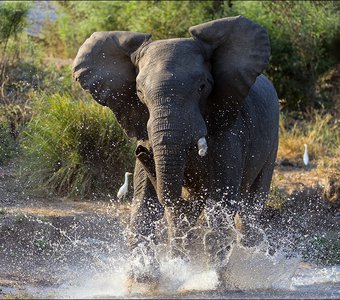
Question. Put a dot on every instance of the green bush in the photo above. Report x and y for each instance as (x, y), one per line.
(302, 36)
(74, 147)
(162, 19)
(13, 19)
(20, 56)
(63, 38)
(7, 144)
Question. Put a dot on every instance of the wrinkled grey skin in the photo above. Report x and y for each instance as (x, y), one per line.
(170, 93)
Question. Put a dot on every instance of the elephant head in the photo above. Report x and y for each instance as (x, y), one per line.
(167, 91)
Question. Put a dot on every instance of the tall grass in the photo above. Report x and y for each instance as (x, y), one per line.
(74, 147)
(7, 144)
(321, 133)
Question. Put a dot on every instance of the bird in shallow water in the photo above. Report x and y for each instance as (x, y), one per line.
(305, 156)
(124, 188)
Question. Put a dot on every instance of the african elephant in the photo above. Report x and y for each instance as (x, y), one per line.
(204, 117)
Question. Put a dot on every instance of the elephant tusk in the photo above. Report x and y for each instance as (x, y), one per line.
(202, 146)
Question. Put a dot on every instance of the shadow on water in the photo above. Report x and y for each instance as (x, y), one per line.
(86, 256)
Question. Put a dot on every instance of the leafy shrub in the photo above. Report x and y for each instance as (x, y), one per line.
(21, 64)
(57, 79)
(12, 119)
(162, 19)
(7, 144)
(13, 18)
(15, 116)
(74, 147)
(303, 36)
(62, 38)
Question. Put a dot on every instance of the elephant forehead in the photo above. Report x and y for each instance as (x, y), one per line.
(174, 51)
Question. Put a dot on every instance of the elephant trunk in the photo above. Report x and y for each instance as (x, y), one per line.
(169, 151)
(171, 133)
(169, 164)
(170, 172)
(173, 130)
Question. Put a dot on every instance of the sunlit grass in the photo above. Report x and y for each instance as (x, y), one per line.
(321, 133)
(74, 147)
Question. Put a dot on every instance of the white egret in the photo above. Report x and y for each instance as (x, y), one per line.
(305, 156)
(124, 188)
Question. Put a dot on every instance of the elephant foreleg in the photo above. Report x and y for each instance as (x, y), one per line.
(224, 201)
(146, 211)
(181, 216)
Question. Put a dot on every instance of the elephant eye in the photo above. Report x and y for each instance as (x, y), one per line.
(202, 86)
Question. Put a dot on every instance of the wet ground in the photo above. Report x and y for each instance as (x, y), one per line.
(58, 248)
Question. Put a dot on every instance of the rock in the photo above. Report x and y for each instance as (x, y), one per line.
(332, 191)
(287, 163)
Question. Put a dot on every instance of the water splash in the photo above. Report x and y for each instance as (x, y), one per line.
(97, 266)
(247, 269)
(253, 268)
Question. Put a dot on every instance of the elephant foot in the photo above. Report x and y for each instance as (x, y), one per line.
(143, 284)
(144, 279)
(144, 270)
(217, 247)
(252, 233)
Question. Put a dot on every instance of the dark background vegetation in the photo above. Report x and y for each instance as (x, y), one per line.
(67, 143)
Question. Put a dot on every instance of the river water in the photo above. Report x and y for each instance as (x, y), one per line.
(267, 280)
(251, 274)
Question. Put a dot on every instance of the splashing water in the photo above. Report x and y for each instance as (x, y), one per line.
(252, 274)
(98, 267)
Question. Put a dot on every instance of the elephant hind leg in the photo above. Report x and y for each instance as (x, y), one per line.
(255, 211)
(261, 185)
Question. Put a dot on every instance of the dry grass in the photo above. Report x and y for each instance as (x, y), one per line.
(322, 135)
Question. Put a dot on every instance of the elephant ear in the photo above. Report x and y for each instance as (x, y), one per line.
(103, 67)
(239, 50)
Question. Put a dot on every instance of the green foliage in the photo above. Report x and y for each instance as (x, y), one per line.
(7, 144)
(302, 35)
(168, 19)
(13, 20)
(162, 19)
(64, 38)
(20, 57)
(58, 79)
(12, 15)
(74, 147)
